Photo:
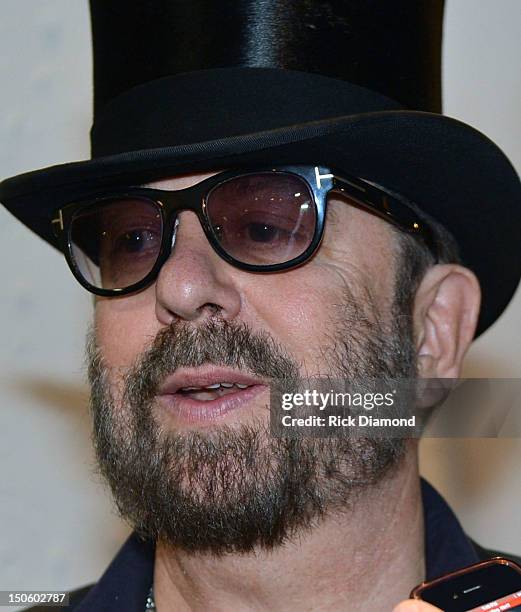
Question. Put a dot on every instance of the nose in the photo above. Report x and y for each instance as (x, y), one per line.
(195, 283)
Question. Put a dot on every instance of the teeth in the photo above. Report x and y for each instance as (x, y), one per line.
(226, 385)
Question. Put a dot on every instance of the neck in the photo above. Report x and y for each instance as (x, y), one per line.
(372, 552)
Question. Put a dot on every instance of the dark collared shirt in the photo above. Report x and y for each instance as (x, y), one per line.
(125, 584)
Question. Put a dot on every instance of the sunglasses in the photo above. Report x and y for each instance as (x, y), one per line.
(260, 220)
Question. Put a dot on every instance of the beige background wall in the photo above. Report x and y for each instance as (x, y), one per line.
(57, 529)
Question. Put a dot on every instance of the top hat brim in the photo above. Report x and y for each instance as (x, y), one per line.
(450, 170)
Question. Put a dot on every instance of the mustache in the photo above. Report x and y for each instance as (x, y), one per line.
(216, 342)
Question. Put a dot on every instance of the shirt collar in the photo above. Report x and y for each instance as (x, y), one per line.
(125, 584)
(447, 547)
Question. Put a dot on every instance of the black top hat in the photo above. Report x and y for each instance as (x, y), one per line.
(186, 85)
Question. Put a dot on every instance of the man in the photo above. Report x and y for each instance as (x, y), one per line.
(201, 227)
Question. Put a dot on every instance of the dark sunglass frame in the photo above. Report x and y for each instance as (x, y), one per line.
(320, 180)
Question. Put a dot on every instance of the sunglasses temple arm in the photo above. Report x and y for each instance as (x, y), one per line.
(343, 185)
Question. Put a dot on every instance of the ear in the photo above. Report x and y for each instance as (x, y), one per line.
(445, 315)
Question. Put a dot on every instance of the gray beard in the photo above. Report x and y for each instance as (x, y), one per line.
(234, 489)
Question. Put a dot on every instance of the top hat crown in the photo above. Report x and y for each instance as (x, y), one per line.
(391, 47)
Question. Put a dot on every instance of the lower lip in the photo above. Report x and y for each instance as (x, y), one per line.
(195, 412)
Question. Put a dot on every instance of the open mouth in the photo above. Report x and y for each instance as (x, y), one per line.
(205, 394)
(211, 392)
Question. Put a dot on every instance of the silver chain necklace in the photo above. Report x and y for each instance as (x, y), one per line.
(150, 604)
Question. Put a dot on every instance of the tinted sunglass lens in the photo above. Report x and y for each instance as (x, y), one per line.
(115, 243)
(263, 219)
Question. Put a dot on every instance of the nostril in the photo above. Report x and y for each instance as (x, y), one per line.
(213, 308)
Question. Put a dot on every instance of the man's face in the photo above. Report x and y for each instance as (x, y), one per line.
(202, 472)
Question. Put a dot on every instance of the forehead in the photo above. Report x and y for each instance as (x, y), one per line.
(181, 181)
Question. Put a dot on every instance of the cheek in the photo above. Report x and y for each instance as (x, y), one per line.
(295, 309)
(301, 307)
(123, 328)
